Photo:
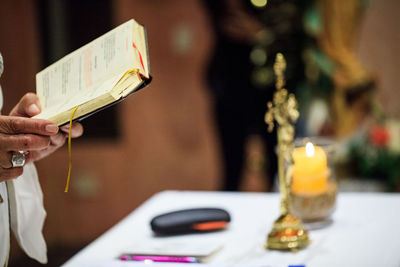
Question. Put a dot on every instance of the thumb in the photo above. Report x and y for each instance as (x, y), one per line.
(28, 106)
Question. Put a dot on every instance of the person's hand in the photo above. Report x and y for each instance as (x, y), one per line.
(29, 106)
(22, 134)
(58, 140)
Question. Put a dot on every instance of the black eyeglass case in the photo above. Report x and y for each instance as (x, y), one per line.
(190, 221)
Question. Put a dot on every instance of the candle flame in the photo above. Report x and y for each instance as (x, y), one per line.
(309, 149)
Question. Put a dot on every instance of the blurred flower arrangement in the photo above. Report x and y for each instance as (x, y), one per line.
(375, 153)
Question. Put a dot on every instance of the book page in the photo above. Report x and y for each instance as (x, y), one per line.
(82, 97)
(79, 76)
(140, 45)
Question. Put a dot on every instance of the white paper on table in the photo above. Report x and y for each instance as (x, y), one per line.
(117, 263)
(165, 246)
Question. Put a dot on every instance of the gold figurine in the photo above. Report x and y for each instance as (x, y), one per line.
(288, 232)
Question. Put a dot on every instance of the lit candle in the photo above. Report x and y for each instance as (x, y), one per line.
(310, 171)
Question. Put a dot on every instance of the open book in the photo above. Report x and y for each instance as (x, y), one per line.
(95, 76)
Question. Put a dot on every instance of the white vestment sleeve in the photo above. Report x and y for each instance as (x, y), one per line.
(27, 213)
(4, 226)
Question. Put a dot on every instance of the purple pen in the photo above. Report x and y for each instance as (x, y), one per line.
(158, 258)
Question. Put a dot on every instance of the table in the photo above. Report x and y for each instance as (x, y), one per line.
(365, 231)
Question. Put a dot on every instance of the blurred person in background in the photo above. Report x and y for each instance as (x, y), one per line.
(240, 74)
(318, 40)
(24, 140)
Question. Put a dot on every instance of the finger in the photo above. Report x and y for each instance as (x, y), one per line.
(76, 130)
(11, 173)
(36, 155)
(13, 125)
(5, 160)
(57, 140)
(23, 142)
(28, 106)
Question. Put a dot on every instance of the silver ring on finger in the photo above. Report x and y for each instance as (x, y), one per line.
(18, 159)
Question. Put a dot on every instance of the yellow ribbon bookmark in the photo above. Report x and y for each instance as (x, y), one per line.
(136, 70)
(69, 150)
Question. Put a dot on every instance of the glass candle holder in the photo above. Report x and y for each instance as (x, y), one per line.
(313, 187)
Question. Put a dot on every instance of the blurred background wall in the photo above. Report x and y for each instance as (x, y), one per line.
(166, 134)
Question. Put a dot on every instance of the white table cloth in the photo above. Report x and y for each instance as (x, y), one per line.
(365, 232)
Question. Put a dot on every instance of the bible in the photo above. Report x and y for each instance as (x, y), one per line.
(95, 76)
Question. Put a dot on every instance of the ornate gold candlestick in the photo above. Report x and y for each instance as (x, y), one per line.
(288, 232)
